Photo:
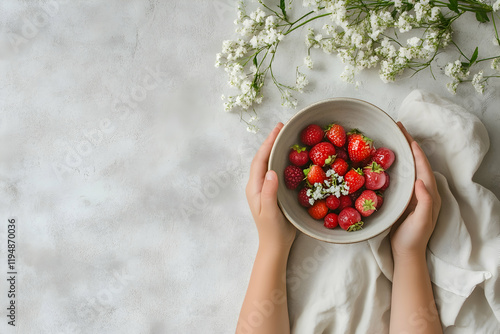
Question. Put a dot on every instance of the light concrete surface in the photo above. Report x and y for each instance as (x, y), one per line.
(125, 175)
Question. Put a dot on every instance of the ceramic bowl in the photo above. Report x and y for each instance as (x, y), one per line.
(375, 124)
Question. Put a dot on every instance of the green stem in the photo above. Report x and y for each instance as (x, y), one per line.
(495, 25)
(484, 59)
(453, 42)
(305, 22)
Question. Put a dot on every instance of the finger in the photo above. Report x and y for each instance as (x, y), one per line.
(408, 137)
(259, 163)
(424, 201)
(269, 193)
(423, 167)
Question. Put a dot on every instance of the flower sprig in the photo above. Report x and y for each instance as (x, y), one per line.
(364, 34)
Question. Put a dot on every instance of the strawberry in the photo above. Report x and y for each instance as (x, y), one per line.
(336, 134)
(345, 202)
(331, 220)
(359, 148)
(387, 182)
(351, 133)
(298, 156)
(315, 174)
(332, 202)
(375, 176)
(350, 220)
(293, 176)
(384, 157)
(318, 210)
(380, 200)
(340, 166)
(312, 135)
(322, 154)
(341, 153)
(354, 179)
(303, 198)
(366, 203)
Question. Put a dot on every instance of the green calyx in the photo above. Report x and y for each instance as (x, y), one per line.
(354, 132)
(330, 159)
(355, 227)
(368, 205)
(359, 171)
(368, 141)
(329, 126)
(375, 167)
(307, 170)
(298, 148)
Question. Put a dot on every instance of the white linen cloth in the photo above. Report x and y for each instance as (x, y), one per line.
(347, 288)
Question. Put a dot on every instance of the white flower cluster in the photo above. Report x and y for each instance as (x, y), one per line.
(256, 31)
(495, 63)
(336, 187)
(496, 6)
(365, 43)
(458, 73)
(478, 82)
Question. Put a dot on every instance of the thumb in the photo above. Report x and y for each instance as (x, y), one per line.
(269, 193)
(424, 200)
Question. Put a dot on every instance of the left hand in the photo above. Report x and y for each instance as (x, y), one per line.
(275, 232)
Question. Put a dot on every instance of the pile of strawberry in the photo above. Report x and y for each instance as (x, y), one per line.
(340, 176)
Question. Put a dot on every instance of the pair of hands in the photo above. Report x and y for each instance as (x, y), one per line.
(408, 237)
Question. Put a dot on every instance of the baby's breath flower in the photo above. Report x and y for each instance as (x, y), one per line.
(300, 82)
(309, 62)
(496, 5)
(456, 71)
(405, 22)
(478, 82)
(495, 64)
(452, 86)
(361, 34)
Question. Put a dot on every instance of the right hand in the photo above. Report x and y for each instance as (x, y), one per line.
(410, 237)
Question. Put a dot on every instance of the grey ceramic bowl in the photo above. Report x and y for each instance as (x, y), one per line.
(374, 123)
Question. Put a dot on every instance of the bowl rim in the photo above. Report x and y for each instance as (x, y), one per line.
(348, 99)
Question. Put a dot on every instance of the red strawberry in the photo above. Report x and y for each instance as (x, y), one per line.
(315, 174)
(341, 153)
(312, 135)
(293, 176)
(366, 203)
(359, 148)
(331, 220)
(322, 153)
(375, 176)
(350, 134)
(380, 200)
(350, 220)
(336, 134)
(345, 202)
(387, 182)
(384, 157)
(318, 210)
(354, 179)
(298, 155)
(303, 198)
(340, 166)
(332, 202)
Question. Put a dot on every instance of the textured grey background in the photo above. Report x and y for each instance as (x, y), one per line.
(130, 200)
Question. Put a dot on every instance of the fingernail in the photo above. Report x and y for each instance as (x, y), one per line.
(269, 175)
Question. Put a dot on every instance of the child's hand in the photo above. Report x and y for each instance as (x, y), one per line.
(410, 238)
(275, 232)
